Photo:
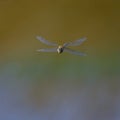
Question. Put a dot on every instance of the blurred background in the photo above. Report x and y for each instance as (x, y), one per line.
(48, 86)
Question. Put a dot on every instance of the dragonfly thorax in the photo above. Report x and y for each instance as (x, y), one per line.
(60, 49)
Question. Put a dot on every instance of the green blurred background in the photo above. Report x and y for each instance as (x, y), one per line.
(60, 86)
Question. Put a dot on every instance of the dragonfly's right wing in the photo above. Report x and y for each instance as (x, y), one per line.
(43, 40)
(47, 50)
(74, 52)
(76, 43)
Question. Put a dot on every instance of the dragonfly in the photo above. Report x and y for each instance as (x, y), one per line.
(61, 48)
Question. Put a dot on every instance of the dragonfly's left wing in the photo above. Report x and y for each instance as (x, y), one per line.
(76, 43)
(43, 40)
(74, 52)
(47, 50)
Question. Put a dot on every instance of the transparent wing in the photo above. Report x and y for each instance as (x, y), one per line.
(47, 50)
(66, 44)
(43, 40)
(76, 43)
(74, 52)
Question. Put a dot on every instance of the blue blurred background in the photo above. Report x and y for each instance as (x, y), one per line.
(48, 86)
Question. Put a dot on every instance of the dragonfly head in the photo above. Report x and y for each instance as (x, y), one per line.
(60, 49)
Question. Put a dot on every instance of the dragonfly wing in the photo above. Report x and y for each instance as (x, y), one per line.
(74, 52)
(48, 50)
(77, 42)
(43, 40)
(66, 44)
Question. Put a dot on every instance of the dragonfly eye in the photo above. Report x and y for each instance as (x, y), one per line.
(60, 50)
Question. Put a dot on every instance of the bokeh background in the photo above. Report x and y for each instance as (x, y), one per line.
(48, 86)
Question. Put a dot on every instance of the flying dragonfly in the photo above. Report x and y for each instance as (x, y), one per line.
(61, 48)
